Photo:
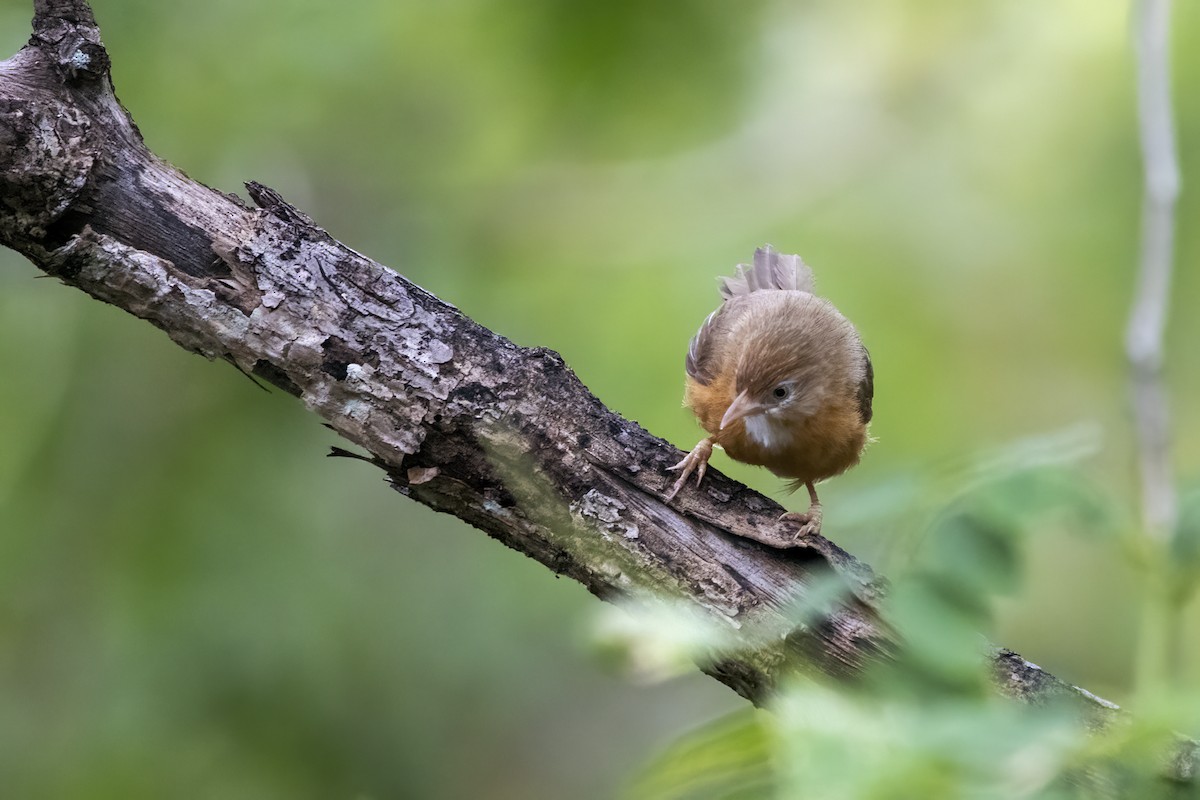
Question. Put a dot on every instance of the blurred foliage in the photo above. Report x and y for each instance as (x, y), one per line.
(728, 758)
(927, 723)
(193, 601)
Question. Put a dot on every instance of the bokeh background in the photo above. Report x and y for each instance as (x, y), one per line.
(194, 602)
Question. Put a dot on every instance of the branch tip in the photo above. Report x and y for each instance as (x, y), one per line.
(66, 31)
(338, 452)
(78, 12)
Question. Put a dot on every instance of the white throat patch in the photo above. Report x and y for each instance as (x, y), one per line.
(767, 431)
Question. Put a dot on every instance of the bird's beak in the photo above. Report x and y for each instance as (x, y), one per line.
(742, 406)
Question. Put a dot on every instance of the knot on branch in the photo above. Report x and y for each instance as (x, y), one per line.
(66, 31)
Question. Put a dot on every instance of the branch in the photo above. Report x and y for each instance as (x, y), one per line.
(459, 418)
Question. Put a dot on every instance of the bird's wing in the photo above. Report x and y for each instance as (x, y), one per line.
(705, 349)
(770, 270)
(866, 388)
(700, 362)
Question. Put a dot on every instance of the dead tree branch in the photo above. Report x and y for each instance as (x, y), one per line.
(461, 419)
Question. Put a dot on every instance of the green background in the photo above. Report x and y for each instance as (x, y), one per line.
(194, 602)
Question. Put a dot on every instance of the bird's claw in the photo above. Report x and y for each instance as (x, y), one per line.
(809, 521)
(695, 461)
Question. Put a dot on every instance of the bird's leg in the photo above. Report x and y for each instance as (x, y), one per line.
(810, 521)
(695, 461)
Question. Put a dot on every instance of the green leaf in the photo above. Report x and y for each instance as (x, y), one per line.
(727, 759)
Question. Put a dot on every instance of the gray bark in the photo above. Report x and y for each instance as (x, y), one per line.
(460, 419)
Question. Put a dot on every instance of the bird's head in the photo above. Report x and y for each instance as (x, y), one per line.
(776, 378)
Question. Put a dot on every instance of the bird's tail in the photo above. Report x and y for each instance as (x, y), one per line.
(770, 271)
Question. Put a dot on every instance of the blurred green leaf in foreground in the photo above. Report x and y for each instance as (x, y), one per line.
(926, 724)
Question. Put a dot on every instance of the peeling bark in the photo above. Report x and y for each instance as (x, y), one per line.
(461, 419)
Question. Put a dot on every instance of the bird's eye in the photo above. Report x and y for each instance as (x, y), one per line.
(780, 392)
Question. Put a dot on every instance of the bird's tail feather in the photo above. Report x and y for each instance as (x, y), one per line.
(770, 271)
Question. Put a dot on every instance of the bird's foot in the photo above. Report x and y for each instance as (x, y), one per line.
(809, 521)
(695, 461)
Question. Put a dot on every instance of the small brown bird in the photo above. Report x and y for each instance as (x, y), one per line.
(780, 379)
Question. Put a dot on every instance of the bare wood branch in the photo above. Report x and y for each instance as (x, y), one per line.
(461, 419)
(1148, 316)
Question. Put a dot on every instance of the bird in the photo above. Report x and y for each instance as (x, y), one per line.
(778, 378)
